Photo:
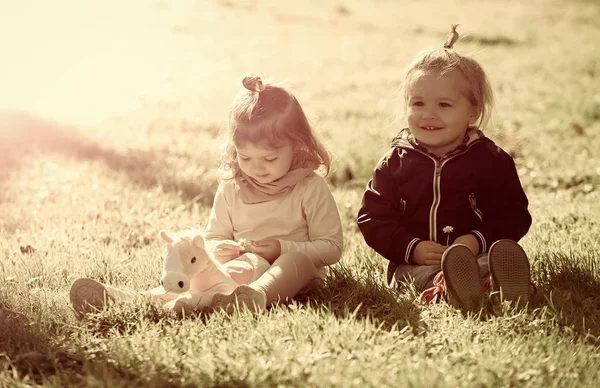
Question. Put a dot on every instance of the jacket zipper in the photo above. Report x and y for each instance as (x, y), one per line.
(473, 202)
(402, 206)
(437, 193)
(437, 199)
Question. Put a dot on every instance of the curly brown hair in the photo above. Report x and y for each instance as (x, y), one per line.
(263, 111)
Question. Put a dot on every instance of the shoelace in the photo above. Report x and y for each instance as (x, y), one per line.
(435, 293)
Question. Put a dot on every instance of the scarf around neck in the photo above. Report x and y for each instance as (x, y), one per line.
(252, 191)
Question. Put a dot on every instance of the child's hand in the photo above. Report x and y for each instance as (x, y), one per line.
(428, 253)
(269, 249)
(470, 241)
(227, 250)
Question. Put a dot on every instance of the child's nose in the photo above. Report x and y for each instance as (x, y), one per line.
(258, 165)
(429, 113)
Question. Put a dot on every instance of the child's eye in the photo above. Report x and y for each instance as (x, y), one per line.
(444, 105)
(271, 159)
(417, 103)
(243, 157)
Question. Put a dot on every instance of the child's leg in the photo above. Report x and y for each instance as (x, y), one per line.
(420, 275)
(287, 276)
(246, 268)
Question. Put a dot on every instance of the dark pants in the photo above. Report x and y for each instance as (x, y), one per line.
(422, 275)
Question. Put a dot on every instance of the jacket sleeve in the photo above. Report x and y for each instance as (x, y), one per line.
(324, 227)
(504, 208)
(380, 218)
(219, 226)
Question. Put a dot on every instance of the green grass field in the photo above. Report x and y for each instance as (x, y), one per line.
(109, 133)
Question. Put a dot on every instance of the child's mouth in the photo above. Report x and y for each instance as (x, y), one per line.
(431, 128)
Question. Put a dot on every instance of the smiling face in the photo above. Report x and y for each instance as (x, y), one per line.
(439, 111)
(264, 163)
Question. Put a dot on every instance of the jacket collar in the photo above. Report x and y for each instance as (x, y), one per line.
(405, 139)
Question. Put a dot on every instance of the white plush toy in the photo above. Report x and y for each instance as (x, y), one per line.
(188, 270)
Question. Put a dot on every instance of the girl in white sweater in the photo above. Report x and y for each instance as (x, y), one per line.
(271, 203)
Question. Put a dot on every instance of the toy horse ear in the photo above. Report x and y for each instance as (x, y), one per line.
(165, 237)
(198, 241)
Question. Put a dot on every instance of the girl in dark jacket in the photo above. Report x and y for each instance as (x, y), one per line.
(445, 205)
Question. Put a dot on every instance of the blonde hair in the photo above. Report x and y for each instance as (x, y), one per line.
(445, 60)
(263, 111)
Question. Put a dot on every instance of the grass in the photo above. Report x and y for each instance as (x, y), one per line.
(107, 144)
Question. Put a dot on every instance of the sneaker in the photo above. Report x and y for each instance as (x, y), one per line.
(88, 295)
(464, 288)
(243, 296)
(510, 271)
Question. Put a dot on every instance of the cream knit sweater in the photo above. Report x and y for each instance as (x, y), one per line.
(305, 220)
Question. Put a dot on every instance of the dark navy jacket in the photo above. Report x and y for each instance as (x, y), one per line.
(415, 196)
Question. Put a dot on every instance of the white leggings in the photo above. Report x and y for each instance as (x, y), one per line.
(289, 275)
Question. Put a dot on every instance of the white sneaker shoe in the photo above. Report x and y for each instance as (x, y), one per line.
(88, 295)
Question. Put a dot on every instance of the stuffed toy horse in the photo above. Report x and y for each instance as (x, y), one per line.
(191, 273)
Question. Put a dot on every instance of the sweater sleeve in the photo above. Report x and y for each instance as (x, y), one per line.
(504, 207)
(380, 217)
(325, 235)
(219, 226)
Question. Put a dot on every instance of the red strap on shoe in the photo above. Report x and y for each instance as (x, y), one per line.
(487, 283)
(436, 293)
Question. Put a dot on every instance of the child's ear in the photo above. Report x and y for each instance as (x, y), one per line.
(198, 241)
(165, 237)
(475, 114)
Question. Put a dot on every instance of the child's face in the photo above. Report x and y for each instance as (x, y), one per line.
(264, 163)
(439, 111)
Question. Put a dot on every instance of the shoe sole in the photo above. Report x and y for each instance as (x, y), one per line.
(461, 275)
(510, 271)
(88, 295)
(242, 296)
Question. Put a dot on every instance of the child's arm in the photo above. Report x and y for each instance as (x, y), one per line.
(380, 218)
(219, 230)
(504, 206)
(324, 226)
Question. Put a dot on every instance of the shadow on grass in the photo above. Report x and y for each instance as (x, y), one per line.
(344, 293)
(23, 134)
(27, 349)
(569, 286)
